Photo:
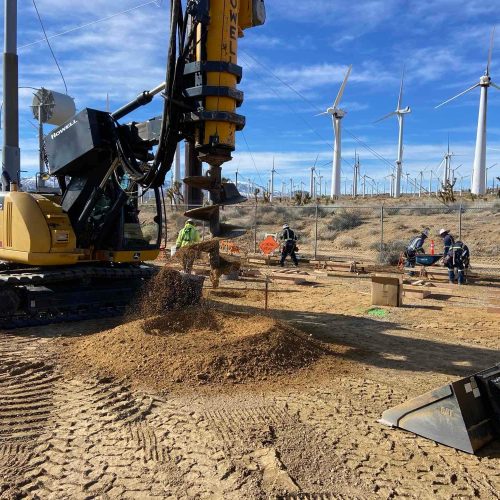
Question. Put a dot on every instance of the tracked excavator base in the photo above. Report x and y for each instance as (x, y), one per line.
(464, 414)
(35, 296)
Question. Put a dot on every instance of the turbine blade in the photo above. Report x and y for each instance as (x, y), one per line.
(458, 95)
(386, 116)
(400, 98)
(342, 87)
(492, 39)
(321, 114)
(494, 85)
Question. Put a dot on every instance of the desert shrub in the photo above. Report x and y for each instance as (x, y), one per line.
(150, 232)
(391, 252)
(269, 217)
(348, 242)
(344, 220)
(327, 235)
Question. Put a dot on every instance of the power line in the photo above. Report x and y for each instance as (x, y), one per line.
(48, 43)
(76, 28)
(253, 159)
(313, 106)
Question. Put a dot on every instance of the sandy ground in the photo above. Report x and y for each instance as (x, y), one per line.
(309, 433)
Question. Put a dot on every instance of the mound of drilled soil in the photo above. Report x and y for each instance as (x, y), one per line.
(168, 290)
(192, 347)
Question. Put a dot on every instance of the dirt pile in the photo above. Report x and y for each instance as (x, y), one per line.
(194, 346)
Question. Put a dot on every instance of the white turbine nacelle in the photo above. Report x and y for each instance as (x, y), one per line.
(404, 111)
(485, 81)
(337, 114)
(479, 167)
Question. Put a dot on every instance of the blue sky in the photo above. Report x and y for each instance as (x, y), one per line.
(305, 46)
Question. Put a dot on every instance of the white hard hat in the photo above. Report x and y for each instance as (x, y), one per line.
(189, 221)
(426, 231)
(443, 231)
(285, 226)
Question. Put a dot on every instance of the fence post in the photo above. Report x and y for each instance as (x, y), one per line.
(460, 222)
(316, 233)
(381, 230)
(255, 229)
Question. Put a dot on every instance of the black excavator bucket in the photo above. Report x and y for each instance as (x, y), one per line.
(464, 414)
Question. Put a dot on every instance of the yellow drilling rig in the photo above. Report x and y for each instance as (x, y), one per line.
(81, 253)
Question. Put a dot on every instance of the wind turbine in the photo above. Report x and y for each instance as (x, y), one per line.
(400, 113)
(479, 168)
(337, 115)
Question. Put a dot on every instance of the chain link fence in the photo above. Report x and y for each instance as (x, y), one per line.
(377, 233)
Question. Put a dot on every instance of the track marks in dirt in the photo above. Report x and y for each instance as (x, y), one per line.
(391, 462)
(26, 404)
(25, 399)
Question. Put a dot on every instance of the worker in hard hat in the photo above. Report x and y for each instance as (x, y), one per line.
(289, 242)
(415, 246)
(448, 240)
(456, 256)
(458, 259)
(188, 235)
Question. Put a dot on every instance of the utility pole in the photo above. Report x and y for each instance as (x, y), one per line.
(420, 185)
(355, 176)
(430, 185)
(236, 179)
(271, 191)
(486, 176)
(291, 188)
(11, 156)
(447, 165)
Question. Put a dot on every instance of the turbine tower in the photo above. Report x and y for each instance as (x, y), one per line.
(400, 113)
(337, 115)
(479, 168)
